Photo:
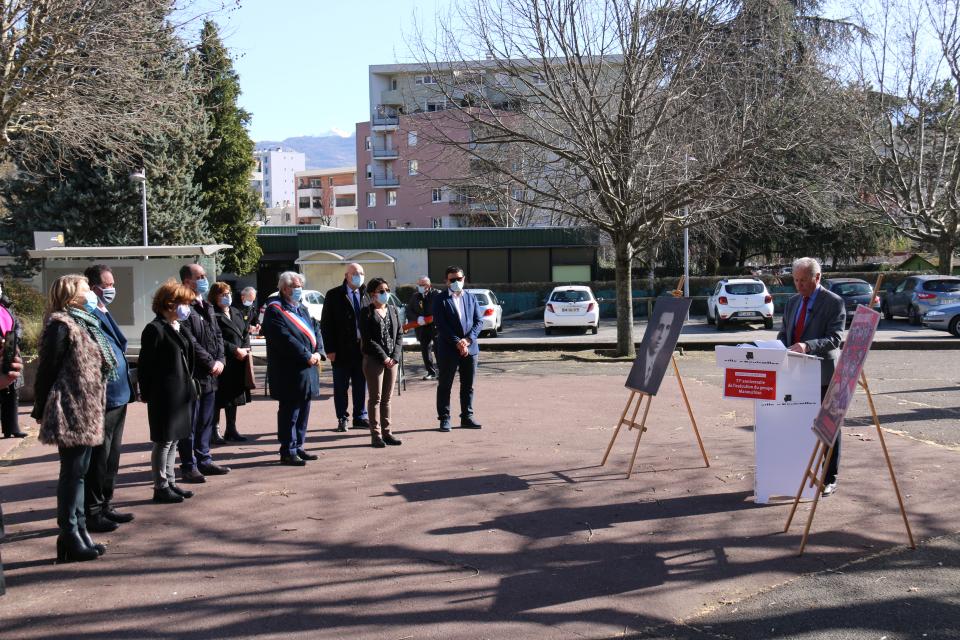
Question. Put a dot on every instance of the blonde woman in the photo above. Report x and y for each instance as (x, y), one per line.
(76, 362)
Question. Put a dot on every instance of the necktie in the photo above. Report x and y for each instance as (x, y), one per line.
(801, 320)
(356, 303)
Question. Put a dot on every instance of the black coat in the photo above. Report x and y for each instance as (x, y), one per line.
(231, 385)
(202, 330)
(372, 339)
(291, 376)
(165, 373)
(338, 324)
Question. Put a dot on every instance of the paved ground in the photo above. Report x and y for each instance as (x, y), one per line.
(513, 531)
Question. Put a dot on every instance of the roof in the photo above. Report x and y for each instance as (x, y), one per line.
(128, 252)
(572, 287)
(306, 173)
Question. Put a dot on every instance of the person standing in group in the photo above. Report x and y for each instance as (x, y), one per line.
(294, 349)
(200, 327)
(105, 458)
(232, 391)
(419, 307)
(381, 338)
(76, 363)
(167, 384)
(10, 394)
(340, 326)
(250, 310)
(813, 321)
(6, 380)
(459, 321)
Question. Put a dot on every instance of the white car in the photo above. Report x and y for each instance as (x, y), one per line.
(492, 311)
(312, 300)
(571, 306)
(740, 300)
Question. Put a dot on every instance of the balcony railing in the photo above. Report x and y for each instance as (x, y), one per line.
(383, 120)
(386, 181)
(382, 153)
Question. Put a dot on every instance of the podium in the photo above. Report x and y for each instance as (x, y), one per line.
(785, 388)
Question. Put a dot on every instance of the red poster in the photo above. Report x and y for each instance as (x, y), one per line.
(753, 385)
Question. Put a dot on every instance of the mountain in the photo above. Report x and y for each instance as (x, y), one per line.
(325, 151)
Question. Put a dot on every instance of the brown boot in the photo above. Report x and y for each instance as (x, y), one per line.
(389, 438)
(376, 441)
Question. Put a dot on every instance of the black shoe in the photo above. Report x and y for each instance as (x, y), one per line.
(234, 436)
(72, 548)
(342, 425)
(303, 455)
(16, 434)
(376, 442)
(192, 477)
(87, 540)
(389, 438)
(430, 376)
(99, 523)
(292, 461)
(183, 493)
(469, 423)
(112, 514)
(445, 424)
(213, 469)
(166, 496)
(216, 438)
(361, 423)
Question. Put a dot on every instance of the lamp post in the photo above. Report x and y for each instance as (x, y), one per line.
(141, 176)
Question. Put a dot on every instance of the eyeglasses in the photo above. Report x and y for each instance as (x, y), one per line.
(460, 279)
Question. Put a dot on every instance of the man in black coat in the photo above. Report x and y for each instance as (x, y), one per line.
(419, 307)
(250, 310)
(201, 329)
(340, 327)
(294, 349)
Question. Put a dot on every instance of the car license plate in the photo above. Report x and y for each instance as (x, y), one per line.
(571, 310)
(749, 313)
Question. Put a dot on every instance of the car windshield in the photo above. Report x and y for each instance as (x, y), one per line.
(744, 288)
(852, 289)
(570, 296)
(481, 299)
(942, 286)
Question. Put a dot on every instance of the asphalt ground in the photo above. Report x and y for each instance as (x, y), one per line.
(513, 531)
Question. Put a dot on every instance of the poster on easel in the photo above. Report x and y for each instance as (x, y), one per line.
(843, 384)
(659, 341)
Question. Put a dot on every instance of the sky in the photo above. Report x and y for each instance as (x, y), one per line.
(303, 63)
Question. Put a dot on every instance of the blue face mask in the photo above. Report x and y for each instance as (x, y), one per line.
(226, 300)
(183, 312)
(383, 298)
(296, 294)
(203, 286)
(456, 286)
(90, 301)
(422, 289)
(357, 280)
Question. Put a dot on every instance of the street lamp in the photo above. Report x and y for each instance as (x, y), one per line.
(140, 175)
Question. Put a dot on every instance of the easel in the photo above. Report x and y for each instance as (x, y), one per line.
(641, 427)
(816, 473)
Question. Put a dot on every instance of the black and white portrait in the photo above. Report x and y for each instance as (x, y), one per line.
(659, 341)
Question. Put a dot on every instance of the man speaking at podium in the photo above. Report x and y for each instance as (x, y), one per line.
(813, 322)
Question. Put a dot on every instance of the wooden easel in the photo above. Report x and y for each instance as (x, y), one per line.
(641, 426)
(816, 473)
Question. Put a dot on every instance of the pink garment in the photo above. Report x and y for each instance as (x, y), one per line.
(6, 321)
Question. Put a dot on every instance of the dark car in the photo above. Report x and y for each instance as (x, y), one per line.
(917, 295)
(854, 292)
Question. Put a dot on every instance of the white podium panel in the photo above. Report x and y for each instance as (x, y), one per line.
(783, 437)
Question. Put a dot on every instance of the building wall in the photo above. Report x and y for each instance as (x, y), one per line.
(277, 169)
(320, 190)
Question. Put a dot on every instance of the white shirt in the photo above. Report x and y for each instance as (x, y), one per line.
(458, 303)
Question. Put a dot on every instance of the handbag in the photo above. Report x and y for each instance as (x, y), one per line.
(249, 377)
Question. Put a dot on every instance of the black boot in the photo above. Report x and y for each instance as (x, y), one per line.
(99, 523)
(71, 548)
(376, 441)
(85, 536)
(217, 438)
(166, 496)
(232, 435)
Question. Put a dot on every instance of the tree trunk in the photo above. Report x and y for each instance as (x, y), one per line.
(945, 252)
(624, 263)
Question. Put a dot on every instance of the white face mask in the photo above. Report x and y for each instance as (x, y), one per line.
(248, 303)
(107, 294)
(183, 312)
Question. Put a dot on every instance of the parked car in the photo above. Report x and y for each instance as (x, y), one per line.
(312, 300)
(571, 306)
(854, 292)
(492, 311)
(917, 295)
(740, 300)
(946, 318)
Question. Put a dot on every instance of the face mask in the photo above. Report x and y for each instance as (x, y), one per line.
(383, 298)
(357, 280)
(183, 312)
(296, 294)
(90, 301)
(422, 289)
(226, 300)
(203, 286)
(108, 294)
(456, 286)
(248, 303)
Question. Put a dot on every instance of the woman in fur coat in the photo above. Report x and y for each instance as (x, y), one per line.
(75, 363)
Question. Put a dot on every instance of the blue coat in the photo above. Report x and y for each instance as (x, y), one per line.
(449, 330)
(118, 391)
(289, 374)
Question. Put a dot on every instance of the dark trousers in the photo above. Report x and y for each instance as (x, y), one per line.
(346, 375)
(105, 462)
(833, 466)
(292, 417)
(9, 405)
(449, 365)
(195, 449)
(231, 415)
(425, 336)
(74, 462)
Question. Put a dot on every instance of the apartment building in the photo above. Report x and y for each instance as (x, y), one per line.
(327, 197)
(273, 176)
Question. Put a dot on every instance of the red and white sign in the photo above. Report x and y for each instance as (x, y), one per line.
(753, 385)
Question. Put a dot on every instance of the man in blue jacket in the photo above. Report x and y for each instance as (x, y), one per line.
(105, 458)
(458, 320)
(294, 349)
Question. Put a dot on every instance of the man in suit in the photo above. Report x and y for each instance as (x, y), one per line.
(419, 307)
(201, 329)
(250, 310)
(813, 322)
(105, 458)
(294, 349)
(459, 321)
(340, 327)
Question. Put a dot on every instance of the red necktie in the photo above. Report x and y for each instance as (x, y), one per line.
(801, 319)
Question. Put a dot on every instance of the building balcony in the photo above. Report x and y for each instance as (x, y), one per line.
(382, 153)
(391, 97)
(386, 181)
(384, 122)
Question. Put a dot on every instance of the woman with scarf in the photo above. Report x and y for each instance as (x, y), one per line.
(76, 362)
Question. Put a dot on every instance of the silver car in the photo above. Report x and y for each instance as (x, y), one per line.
(946, 318)
(917, 295)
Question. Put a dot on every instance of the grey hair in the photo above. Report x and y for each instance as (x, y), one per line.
(248, 290)
(427, 278)
(287, 278)
(808, 264)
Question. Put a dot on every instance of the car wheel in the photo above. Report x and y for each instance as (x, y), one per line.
(594, 330)
(721, 324)
(548, 331)
(710, 319)
(492, 333)
(886, 312)
(914, 315)
(768, 323)
(955, 327)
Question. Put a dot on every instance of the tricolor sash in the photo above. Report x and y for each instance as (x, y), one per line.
(297, 322)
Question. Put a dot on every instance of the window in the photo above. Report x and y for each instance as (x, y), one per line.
(371, 199)
(501, 79)
(317, 202)
(369, 172)
(391, 198)
(437, 223)
(941, 286)
(538, 79)
(330, 181)
(393, 84)
(305, 202)
(425, 80)
(436, 105)
(436, 195)
(346, 200)
(367, 144)
(316, 183)
(412, 138)
(744, 288)
(571, 296)
(413, 167)
(391, 223)
(518, 194)
(371, 224)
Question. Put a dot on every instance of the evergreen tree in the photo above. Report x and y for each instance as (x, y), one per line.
(224, 174)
